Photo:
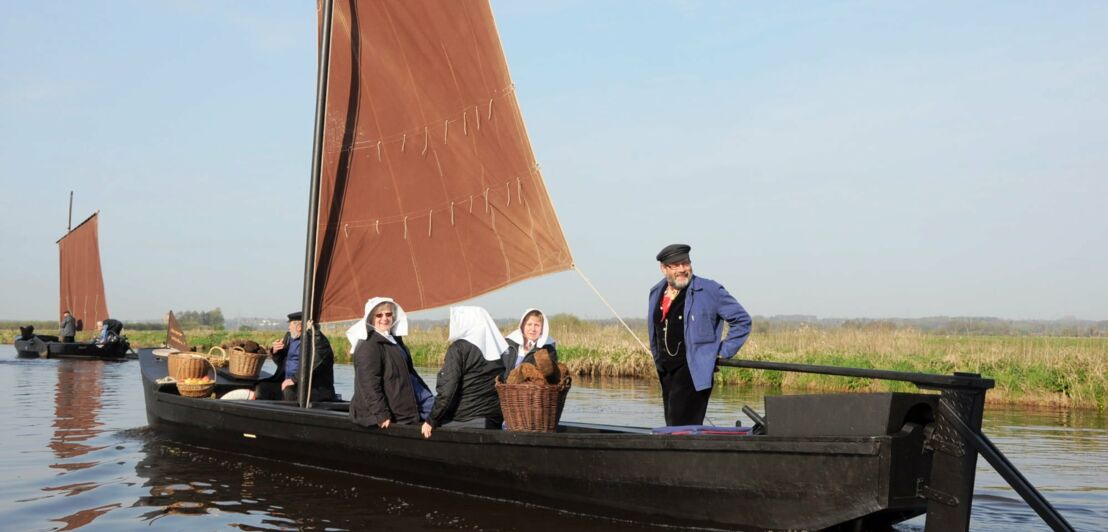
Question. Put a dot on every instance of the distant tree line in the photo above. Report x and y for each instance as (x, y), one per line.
(196, 319)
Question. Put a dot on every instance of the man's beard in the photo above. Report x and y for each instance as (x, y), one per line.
(679, 284)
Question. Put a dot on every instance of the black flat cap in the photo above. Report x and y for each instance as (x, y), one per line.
(674, 253)
(296, 316)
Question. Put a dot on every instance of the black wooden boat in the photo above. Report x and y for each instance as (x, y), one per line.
(43, 346)
(840, 460)
(846, 461)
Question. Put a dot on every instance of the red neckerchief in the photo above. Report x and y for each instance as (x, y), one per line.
(666, 301)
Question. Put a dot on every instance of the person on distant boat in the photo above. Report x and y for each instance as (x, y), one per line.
(286, 355)
(685, 321)
(466, 388)
(68, 329)
(110, 331)
(27, 332)
(387, 388)
(532, 334)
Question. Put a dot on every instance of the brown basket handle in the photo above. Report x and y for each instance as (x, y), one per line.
(222, 353)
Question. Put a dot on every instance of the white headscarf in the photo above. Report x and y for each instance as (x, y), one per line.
(360, 330)
(474, 325)
(544, 338)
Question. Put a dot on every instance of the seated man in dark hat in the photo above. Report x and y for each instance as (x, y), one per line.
(286, 353)
(685, 323)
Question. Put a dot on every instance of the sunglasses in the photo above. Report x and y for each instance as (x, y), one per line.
(383, 315)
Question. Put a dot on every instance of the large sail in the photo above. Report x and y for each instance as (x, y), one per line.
(82, 284)
(429, 190)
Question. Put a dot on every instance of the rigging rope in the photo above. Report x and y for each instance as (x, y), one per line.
(605, 301)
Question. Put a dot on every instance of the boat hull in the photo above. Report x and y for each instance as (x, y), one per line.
(751, 482)
(39, 348)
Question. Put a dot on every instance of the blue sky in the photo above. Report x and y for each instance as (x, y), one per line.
(842, 159)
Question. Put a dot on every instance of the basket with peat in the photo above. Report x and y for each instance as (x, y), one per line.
(243, 364)
(533, 397)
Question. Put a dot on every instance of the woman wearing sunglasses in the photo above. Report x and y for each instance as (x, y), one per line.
(387, 389)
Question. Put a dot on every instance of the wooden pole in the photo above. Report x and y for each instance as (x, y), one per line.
(307, 344)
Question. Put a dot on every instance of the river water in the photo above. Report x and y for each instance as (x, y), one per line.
(76, 453)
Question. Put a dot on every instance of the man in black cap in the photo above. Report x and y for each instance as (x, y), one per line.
(286, 354)
(685, 322)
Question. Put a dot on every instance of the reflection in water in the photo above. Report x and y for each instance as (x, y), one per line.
(76, 403)
(84, 517)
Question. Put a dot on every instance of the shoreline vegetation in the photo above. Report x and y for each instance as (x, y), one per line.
(1049, 371)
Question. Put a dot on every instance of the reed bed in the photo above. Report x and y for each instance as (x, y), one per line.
(1046, 371)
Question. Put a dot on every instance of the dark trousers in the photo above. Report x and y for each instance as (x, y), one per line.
(491, 423)
(67, 339)
(271, 391)
(683, 404)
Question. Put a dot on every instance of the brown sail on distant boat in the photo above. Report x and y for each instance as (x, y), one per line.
(81, 281)
(429, 190)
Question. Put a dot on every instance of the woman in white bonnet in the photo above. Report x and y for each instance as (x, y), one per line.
(466, 387)
(532, 334)
(387, 389)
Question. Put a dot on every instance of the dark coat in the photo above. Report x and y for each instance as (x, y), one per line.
(114, 326)
(707, 306)
(383, 383)
(69, 326)
(323, 371)
(466, 386)
(509, 356)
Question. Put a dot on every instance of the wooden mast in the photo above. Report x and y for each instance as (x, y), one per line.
(308, 343)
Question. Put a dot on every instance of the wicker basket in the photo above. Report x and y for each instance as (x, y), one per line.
(195, 390)
(218, 360)
(532, 407)
(187, 366)
(245, 365)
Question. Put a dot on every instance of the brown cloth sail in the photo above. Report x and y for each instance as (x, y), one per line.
(175, 336)
(82, 283)
(430, 193)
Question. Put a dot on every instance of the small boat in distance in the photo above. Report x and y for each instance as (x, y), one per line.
(82, 294)
(424, 188)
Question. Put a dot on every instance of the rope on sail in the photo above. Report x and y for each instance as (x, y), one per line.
(605, 301)
(491, 195)
(401, 137)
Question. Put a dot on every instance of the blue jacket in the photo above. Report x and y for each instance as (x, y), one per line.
(707, 306)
